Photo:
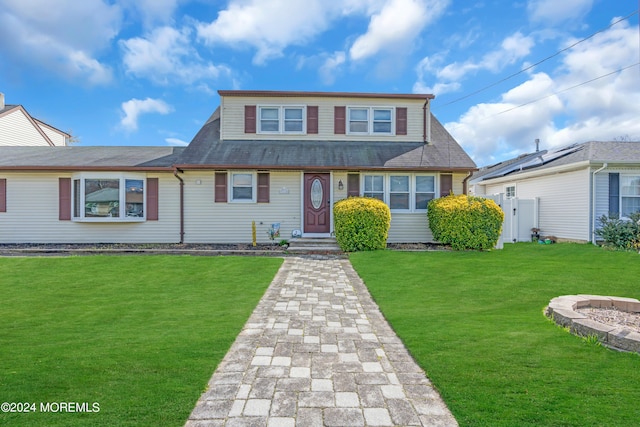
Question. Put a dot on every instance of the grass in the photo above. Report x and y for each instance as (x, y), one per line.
(140, 336)
(474, 321)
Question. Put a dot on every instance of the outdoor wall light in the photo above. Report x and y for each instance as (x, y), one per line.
(340, 185)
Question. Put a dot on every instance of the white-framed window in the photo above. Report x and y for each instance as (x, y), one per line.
(409, 192)
(282, 119)
(399, 192)
(629, 195)
(425, 191)
(108, 196)
(373, 186)
(243, 187)
(510, 191)
(370, 120)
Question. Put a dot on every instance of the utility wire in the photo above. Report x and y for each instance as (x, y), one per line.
(565, 89)
(539, 62)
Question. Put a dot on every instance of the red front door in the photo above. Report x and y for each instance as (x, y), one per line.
(317, 214)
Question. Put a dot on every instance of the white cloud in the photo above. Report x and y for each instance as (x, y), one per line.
(512, 49)
(448, 78)
(176, 142)
(61, 36)
(331, 67)
(167, 55)
(135, 107)
(269, 26)
(395, 26)
(153, 11)
(554, 12)
(602, 109)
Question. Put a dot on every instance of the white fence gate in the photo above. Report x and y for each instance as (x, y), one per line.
(520, 216)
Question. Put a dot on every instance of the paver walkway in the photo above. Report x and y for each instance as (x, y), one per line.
(317, 352)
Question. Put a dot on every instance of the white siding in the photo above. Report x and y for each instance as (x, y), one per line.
(32, 215)
(58, 138)
(409, 228)
(210, 222)
(564, 202)
(17, 129)
(232, 116)
(602, 193)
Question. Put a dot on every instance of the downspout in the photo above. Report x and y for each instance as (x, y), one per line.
(593, 203)
(464, 182)
(426, 123)
(175, 173)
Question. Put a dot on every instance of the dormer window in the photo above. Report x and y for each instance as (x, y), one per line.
(281, 119)
(370, 120)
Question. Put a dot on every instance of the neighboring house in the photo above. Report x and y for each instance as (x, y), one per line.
(17, 127)
(574, 185)
(270, 157)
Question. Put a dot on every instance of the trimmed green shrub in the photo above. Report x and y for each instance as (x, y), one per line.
(619, 233)
(361, 224)
(465, 222)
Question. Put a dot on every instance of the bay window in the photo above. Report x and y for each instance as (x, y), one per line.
(108, 197)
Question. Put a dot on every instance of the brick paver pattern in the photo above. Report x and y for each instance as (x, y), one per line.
(316, 351)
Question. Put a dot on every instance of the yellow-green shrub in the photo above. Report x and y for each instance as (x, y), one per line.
(361, 224)
(465, 222)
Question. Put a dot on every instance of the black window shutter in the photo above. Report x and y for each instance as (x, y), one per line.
(614, 194)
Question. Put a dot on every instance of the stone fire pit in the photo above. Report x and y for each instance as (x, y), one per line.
(569, 311)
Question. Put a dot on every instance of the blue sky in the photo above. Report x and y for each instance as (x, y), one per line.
(146, 72)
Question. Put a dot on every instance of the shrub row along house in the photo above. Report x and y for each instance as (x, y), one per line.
(263, 156)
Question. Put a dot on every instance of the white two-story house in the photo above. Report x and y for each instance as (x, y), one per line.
(18, 127)
(263, 157)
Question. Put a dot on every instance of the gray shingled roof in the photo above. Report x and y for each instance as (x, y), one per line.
(622, 152)
(443, 153)
(88, 157)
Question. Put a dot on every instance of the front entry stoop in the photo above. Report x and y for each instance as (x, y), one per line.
(314, 245)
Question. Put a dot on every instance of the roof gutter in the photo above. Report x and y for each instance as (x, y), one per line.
(593, 203)
(323, 168)
(175, 173)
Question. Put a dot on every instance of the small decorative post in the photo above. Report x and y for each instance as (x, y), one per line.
(253, 233)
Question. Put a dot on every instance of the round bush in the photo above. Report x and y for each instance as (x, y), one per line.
(465, 222)
(361, 224)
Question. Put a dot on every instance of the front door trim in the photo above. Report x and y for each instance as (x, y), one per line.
(327, 197)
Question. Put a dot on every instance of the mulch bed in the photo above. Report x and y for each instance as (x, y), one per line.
(186, 247)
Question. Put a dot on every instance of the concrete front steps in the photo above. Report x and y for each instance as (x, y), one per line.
(314, 245)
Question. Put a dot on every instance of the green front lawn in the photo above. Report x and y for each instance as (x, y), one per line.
(474, 321)
(139, 335)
